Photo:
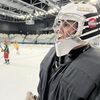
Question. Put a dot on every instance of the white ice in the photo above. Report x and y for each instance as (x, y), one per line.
(22, 74)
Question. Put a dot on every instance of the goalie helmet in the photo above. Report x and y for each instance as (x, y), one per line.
(86, 16)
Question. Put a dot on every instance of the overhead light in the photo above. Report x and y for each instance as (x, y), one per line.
(93, 1)
(79, 1)
(30, 22)
(3, 13)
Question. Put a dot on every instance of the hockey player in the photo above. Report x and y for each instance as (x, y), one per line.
(16, 45)
(71, 69)
(6, 52)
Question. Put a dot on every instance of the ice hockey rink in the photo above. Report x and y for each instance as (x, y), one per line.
(22, 74)
(37, 25)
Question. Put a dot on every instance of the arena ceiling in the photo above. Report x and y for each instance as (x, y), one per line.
(21, 10)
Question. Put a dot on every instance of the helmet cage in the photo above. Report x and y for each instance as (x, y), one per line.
(62, 18)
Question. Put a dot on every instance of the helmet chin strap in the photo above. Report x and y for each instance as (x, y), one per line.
(64, 46)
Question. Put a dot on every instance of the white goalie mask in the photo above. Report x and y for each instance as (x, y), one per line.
(73, 25)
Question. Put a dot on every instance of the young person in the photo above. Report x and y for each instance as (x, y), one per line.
(71, 69)
(6, 52)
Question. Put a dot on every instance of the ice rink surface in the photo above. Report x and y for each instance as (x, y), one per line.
(22, 74)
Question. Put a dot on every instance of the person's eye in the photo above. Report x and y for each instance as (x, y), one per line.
(63, 20)
(65, 24)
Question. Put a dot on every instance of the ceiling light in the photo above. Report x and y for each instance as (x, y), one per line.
(93, 1)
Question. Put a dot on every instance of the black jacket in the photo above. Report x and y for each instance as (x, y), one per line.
(6, 48)
(78, 79)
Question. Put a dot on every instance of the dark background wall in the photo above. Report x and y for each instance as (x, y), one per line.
(6, 27)
(21, 28)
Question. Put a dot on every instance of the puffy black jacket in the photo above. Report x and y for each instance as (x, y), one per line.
(79, 79)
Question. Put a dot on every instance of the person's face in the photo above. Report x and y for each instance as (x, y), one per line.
(65, 29)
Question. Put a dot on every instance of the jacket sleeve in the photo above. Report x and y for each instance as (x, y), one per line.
(39, 87)
(98, 97)
(44, 67)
